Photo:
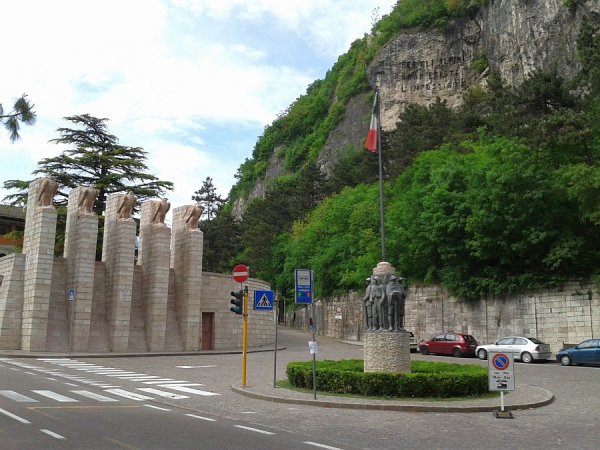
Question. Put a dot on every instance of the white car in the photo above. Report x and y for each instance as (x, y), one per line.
(522, 348)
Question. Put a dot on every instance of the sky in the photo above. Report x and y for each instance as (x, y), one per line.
(192, 82)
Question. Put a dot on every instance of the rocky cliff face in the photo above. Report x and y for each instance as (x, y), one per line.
(515, 37)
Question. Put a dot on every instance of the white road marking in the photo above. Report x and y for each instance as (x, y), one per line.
(72, 384)
(17, 397)
(52, 433)
(13, 416)
(145, 378)
(164, 380)
(50, 378)
(29, 373)
(196, 367)
(201, 418)
(162, 393)
(253, 429)
(55, 396)
(94, 396)
(181, 388)
(316, 444)
(123, 374)
(157, 407)
(129, 395)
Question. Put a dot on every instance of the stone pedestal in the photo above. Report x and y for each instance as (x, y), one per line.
(80, 253)
(387, 351)
(38, 247)
(118, 254)
(154, 255)
(186, 259)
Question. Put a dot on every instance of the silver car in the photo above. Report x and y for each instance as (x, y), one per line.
(525, 349)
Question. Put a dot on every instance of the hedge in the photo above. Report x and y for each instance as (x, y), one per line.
(426, 379)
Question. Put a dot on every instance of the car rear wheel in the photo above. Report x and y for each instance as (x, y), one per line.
(482, 354)
(457, 353)
(526, 357)
(424, 351)
(565, 360)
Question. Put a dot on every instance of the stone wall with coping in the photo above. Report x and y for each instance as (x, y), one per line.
(569, 314)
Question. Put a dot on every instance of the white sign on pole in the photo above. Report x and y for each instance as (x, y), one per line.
(501, 374)
(312, 347)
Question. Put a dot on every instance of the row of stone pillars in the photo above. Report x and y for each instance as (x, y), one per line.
(25, 325)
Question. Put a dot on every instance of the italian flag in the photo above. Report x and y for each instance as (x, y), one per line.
(371, 141)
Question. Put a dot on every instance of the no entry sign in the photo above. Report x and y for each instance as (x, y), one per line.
(240, 273)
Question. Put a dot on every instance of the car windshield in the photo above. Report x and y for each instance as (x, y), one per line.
(535, 341)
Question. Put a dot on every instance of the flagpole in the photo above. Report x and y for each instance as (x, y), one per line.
(381, 213)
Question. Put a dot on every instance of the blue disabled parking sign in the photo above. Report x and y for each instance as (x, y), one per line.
(263, 300)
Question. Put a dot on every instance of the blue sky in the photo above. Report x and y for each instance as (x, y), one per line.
(193, 82)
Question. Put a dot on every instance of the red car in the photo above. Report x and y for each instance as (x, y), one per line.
(454, 344)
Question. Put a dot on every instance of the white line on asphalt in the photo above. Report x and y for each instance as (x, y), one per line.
(53, 359)
(162, 393)
(120, 375)
(249, 412)
(201, 418)
(52, 433)
(30, 373)
(72, 384)
(157, 407)
(196, 367)
(129, 395)
(316, 444)
(181, 388)
(164, 380)
(253, 429)
(20, 419)
(55, 396)
(94, 396)
(17, 397)
(147, 377)
(50, 378)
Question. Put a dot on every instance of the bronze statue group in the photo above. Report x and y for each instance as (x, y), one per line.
(384, 303)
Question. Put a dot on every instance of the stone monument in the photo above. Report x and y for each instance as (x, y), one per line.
(386, 343)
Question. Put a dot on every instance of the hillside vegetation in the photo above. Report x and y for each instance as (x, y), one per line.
(499, 195)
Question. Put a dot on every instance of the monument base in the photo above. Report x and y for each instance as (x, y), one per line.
(387, 351)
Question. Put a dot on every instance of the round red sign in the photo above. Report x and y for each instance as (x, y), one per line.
(240, 273)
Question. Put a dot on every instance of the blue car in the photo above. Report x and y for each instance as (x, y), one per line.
(587, 352)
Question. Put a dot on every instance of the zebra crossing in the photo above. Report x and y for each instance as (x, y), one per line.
(96, 376)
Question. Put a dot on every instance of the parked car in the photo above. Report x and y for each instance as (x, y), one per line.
(525, 349)
(586, 352)
(413, 342)
(454, 344)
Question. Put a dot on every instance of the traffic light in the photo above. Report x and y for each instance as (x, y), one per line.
(237, 302)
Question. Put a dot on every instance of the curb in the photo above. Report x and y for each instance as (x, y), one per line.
(21, 354)
(407, 407)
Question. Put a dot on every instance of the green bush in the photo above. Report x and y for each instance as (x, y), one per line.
(427, 379)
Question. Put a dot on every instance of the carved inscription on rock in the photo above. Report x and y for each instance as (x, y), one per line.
(418, 68)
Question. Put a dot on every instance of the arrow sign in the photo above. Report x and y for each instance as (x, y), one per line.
(240, 273)
(263, 300)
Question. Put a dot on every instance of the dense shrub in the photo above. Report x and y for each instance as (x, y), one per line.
(427, 379)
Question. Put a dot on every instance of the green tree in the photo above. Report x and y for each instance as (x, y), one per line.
(95, 159)
(22, 112)
(208, 198)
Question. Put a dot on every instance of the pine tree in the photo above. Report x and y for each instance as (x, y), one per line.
(95, 159)
(208, 198)
(22, 112)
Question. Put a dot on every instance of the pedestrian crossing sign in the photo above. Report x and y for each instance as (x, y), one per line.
(263, 300)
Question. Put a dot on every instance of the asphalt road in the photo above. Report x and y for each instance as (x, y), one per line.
(189, 404)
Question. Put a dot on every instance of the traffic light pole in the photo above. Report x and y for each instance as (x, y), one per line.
(245, 337)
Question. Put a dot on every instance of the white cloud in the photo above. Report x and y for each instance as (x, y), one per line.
(165, 71)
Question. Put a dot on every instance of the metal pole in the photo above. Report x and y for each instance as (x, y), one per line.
(501, 400)
(381, 214)
(314, 338)
(275, 350)
(245, 336)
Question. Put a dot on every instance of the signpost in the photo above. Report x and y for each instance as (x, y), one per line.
(240, 273)
(304, 286)
(263, 300)
(501, 377)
